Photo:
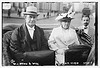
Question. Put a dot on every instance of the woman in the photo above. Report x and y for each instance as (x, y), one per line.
(61, 37)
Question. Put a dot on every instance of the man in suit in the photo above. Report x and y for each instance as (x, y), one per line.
(86, 28)
(28, 37)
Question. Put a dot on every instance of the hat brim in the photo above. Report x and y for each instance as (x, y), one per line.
(65, 19)
(27, 13)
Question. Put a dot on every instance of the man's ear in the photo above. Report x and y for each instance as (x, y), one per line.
(24, 16)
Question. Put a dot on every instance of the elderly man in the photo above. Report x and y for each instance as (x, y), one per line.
(61, 37)
(28, 37)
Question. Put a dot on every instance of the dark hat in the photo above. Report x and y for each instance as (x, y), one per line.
(31, 10)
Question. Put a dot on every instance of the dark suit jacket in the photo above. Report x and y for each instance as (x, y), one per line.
(6, 51)
(19, 43)
(91, 33)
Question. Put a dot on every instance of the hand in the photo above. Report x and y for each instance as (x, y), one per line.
(73, 44)
(60, 51)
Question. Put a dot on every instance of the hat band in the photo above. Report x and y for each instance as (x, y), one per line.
(31, 12)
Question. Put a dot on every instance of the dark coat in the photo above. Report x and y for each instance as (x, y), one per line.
(91, 33)
(6, 51)
(91, 57)
(20, 43)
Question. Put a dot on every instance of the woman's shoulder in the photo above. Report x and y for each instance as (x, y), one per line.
(80, 27)
(71, 29)
(56, 29)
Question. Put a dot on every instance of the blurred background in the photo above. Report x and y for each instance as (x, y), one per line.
(11, 12)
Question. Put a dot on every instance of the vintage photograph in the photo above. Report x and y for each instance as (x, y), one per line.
(49, 33)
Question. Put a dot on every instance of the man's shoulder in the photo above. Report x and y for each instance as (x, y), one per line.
(18, 32)
(21, 26)
(91, 28)
(38, 27)
(18, 29)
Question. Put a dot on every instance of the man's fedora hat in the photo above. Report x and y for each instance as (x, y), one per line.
(31, 10)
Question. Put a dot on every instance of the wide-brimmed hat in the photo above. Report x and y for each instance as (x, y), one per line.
(31, 10)
(65, 17)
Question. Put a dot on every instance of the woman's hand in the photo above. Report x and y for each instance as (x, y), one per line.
(60, 51)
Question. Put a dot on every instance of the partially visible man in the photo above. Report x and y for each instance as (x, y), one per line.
(86, 28)
(28, 37)
(62, 37)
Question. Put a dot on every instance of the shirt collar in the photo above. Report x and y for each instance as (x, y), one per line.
(84, 27)
(33, 28)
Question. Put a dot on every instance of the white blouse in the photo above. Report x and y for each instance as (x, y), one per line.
(61, 38)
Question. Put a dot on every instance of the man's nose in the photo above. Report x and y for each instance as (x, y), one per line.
(85, 21)
(32, 18)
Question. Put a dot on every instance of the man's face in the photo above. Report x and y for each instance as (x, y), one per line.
(65, 25)
(85, 21)
(30, 20)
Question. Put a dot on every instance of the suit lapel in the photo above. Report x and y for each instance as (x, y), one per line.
(27, 36)
(37, 33)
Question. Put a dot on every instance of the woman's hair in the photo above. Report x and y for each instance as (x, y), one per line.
(85, 16)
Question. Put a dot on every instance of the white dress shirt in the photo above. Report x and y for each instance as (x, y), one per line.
(30, 30)
(86, 29)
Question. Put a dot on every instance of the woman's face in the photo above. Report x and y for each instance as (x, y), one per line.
(30, 20)
(85, 21)
(65, 25)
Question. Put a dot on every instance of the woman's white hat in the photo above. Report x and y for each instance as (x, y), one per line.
(65, 16)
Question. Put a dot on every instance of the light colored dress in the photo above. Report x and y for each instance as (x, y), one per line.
(61, 39)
